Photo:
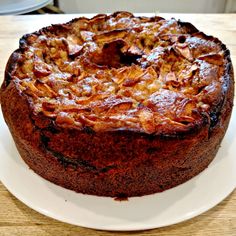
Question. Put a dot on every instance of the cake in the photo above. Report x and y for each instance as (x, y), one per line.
(118, 105)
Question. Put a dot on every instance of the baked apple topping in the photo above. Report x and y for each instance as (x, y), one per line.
(121, 72)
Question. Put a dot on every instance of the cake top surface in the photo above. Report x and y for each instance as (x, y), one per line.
(121, 72)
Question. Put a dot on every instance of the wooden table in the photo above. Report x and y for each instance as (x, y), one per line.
(17, 219)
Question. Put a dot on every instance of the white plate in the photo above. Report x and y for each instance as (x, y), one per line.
(14, 7)
(172, 206)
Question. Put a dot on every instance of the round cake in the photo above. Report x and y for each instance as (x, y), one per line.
(118, 105)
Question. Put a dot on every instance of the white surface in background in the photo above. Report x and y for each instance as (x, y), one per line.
(138, 213)
(178, 6)
(14, 7)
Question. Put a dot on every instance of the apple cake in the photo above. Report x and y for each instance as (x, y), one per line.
(118, 105)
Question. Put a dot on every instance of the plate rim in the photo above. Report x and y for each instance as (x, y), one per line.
(25, 8)
(119, 229)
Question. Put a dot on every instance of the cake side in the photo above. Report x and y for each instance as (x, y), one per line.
(137, 165)
(142, 153)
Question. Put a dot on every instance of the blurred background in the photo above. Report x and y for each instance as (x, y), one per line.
(179, 6)
(101, 6)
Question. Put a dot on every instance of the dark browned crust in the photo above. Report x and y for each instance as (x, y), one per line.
(141, 163)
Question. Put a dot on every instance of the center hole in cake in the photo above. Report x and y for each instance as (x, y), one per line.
(114, 55)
